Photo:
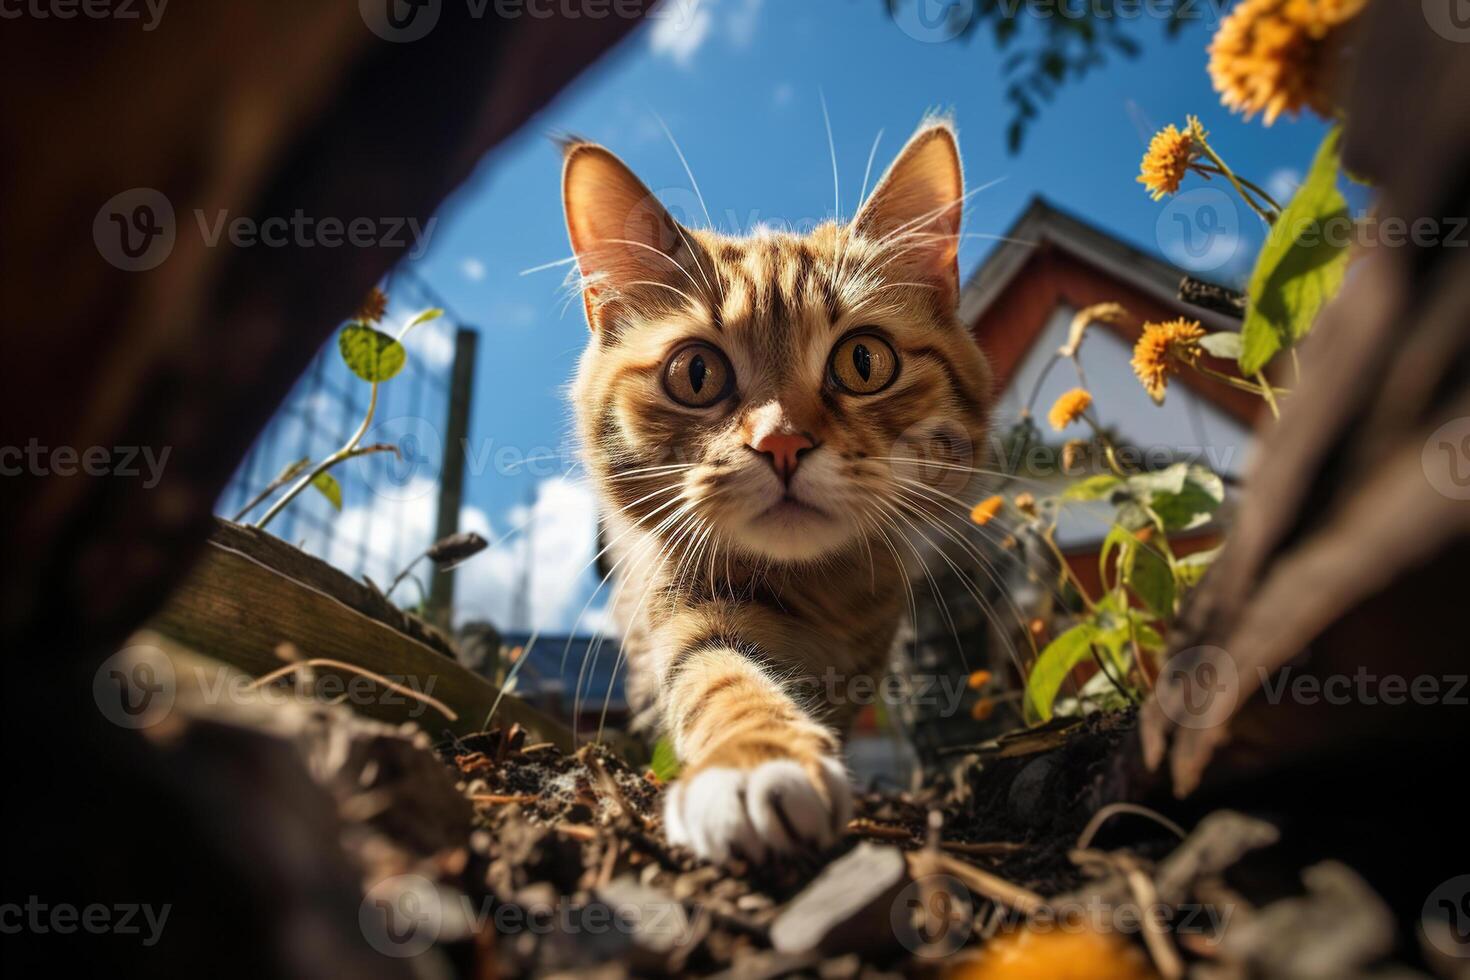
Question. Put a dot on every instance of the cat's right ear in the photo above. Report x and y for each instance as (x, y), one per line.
(621, 234)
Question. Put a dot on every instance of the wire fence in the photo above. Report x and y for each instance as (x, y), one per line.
(390, 500)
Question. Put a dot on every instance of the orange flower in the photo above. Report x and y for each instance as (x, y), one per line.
(979, 679)
(1069, 408)
(982, 709)
(1055, 954)
(986, 510)
(1169, 156)
(1159, 346)
(1275, 56)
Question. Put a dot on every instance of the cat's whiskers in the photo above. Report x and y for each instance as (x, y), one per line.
(985, 605)
(589, 659)
(972, 551)
(675, 262)
(709, 222)
(933, 585)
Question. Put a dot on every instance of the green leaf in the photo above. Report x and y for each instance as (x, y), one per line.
(665, 764)
(1301, 264)
(1191, 568)
(1053, 666)
(1194, 504)
(432, 313)
(1225, 344)
(1148, 574)
(1093, 488)
(1182, 496)
(1118, 536)
(371, 354)
(329, 487)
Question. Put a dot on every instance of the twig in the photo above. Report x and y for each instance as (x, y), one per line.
(1084, 839)
(1164, 955)
(276, 675)
(499, 799)
(877, 831)
(984, 883)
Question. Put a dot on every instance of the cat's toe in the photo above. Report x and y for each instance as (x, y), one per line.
(706, 813)
(775, 808)
(790, 811)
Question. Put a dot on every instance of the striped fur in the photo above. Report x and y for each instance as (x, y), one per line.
(734, 613)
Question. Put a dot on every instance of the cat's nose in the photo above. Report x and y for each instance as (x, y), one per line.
(784, 450)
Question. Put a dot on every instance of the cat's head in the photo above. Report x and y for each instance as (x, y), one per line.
(785, 395)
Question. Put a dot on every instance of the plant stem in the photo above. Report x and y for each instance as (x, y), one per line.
(1260, 192)
(345, 452)
(1269, 395)
(1225, 171)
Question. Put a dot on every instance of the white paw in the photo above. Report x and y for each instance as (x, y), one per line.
(754, 813)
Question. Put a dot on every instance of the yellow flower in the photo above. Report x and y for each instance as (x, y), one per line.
(1275, 56)
(1160, 345)
(1068, 408)
(1168, 159)
(374, 305)
(986, 510)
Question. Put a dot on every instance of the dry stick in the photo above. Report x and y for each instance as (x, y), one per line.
(877, 831)
(499, 799)
(1164, 955)
(276, 675)
(991, 886)
(1084, 839)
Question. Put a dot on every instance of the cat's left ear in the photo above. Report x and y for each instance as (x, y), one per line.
(917, 206)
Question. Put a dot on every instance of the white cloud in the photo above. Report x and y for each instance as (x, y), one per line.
(1282, 184)
(561, 546)
(681, 27)
(783, 94)
(472, 269)
(560, 531)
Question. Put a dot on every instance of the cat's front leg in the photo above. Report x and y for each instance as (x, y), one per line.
(760, 776)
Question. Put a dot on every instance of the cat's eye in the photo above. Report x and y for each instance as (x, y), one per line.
(863, 364)
(698, 375)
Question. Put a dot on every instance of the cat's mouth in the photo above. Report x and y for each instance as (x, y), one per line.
(790, 507)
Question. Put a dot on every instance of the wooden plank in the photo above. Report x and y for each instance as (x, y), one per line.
(252, 592)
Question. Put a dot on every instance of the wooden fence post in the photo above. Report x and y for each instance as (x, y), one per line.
(451, 471)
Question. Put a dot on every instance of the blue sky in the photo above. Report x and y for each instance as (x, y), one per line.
(738, 83)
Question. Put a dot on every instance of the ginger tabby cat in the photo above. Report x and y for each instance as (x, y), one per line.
(769, 420)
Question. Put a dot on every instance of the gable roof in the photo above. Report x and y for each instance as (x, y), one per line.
(1049, 258)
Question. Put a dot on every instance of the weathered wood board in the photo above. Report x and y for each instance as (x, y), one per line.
(253, 592)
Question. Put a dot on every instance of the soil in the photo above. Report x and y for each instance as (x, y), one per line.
(561, 838)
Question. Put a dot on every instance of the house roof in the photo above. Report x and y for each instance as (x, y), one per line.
(1050, 258)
